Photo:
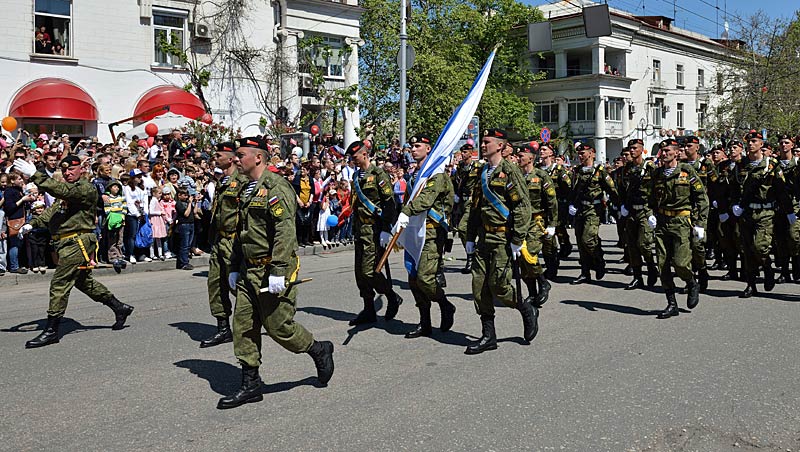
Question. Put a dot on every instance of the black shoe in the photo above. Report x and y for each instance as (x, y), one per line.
(694, 294)
(544, 292)
(784, 277)
(48, 336)
(672, 307)
(583, 278)
(187, 267)
(322, 354)
(730, 276)
(222, 336)
(600, 272)
(468, 265)
(367, 315)
(424, 328)
(119, 265)
(627, 271)
(20, 271)
(749, 291)
(565, 251)
(702, 280)
(652, 275)
(488, 340)
(448, 313)
(530, 321)
(635, 284)
(393, 302)
(769, 276)
(121, 312)
(249, 392)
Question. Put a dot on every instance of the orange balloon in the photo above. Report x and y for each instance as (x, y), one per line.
(9, 123)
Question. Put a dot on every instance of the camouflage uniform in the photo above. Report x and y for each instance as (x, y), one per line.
(544, 214)
(562, 179)
(637, 234)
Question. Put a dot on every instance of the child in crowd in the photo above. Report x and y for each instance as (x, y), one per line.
(37, 238)
(158, 223)
(167, 204)
(336, 210)
(322, 220)
(184, 208)
(114, 206)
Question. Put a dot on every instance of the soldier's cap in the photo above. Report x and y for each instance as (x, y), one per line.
(69, 161)
(635, 141)
(736, 143)
(467, 147)
(354, 147)
(786, 136)
(768, 146)
(496, 133)
(227, 146)
(420, 138)
(584, 147)
(251, 142)
(691, 139)
(717, 147)
(753, 134)
(668, 142)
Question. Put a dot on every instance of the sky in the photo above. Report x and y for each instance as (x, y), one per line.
(701, 16)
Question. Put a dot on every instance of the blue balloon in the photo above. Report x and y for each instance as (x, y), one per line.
(333, 221)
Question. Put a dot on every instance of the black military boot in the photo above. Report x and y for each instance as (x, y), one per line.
(468, 265)
(751, 289)
(796, 269)
(702, 280)
(533, 291)
(732, 274)
(584, 277)
(393, 302)
(600, 270)
(785, 275)
(565, 250)
(652, 275)
(637, 282)
(222, 336)
(424, 328)
(121, 312)
(544, 291)
(441, 281)
(552, 262)
(249, 392)
(488, 340)
(628, 270)
(322, 354)
(693, 287)
(769, 275)
(48, 336)
(530, 320)
(448, 311)
(672, 306)
(367, 315)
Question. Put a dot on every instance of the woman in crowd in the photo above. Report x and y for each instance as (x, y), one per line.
(137, 205)
(304, 189)
(14, 207)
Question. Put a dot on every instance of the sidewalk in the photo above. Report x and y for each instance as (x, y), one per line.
(13, 279)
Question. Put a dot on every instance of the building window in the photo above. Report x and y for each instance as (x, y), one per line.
(614, 110)
(52, 20)
(701, 116)
(168, 28)
(326, 56)
(545, 113)
(656, 70)
(680, 116)
(580, 110)
(679, 76)
(701, 78)
(658, 112)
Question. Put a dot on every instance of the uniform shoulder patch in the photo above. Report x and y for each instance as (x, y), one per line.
(274, 200)
(233, 184)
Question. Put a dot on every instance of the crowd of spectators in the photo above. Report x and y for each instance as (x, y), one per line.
(44, 44)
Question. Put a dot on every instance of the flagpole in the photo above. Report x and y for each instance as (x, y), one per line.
(403, 70)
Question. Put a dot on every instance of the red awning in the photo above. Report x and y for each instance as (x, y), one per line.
(53, 98)
(180, 103)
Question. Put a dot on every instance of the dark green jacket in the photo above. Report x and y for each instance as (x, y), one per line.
(508, 183)
(74, 210)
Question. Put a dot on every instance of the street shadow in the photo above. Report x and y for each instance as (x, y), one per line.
(734, 294)
(515, 340)
(463, 296)
(202, 274)
(594, 306)
(224, 378)
(196, 331)
(67, 326)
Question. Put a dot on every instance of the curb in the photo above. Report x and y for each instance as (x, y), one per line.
(13, 279)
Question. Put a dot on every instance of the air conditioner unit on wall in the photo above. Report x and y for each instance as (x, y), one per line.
(307, 82)
(202, 31)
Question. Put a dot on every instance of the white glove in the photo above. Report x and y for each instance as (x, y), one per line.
(233, 277)
(714, 203)
(792, 218)
(550, 231)
(25, 167)
(26, 228)
(738, 211)
(623, 211)
(516, 250)
(277, 284)
(699, 232)
(469, 247)
(385, 239)
(652, 222)
(572, 210)
(723, 217)
(402, 223)
(456, 199)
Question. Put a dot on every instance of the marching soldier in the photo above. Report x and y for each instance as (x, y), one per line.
(70, 220)
(544, 217)
(681, 207)
(499, 222)
(585, 203)
(719, 195)
(264, 266)
(787, 236)
(736, 173)
(465, 181)
(224, 214)
(635, 209)
(705, 169)
(374, 211)
(561, 177)
(436, 200)
(763, 191)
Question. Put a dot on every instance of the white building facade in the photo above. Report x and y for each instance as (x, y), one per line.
(647, 80)
(112, 65)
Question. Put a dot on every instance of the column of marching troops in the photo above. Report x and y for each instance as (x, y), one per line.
(507, 213)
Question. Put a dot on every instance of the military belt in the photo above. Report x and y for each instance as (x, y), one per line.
(675, 213)
(489, 228)
(591, 203)
(364, 220)
(430, 226)
(69, 235)
(227, 235)
(638, 207)
(261, 261)
(764, 206)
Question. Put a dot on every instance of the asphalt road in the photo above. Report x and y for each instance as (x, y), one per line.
(603, 373)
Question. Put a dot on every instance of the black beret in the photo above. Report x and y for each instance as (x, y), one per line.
(735, 143)
(753, 134)
(354, 147)
(785, 136)
(227, 146)
(635, 141)
(70, 160)
(691, 139)
(251, 142)
(496, 133)
(467, 147)
(420, 138)
(668, 142)
(584, 147)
